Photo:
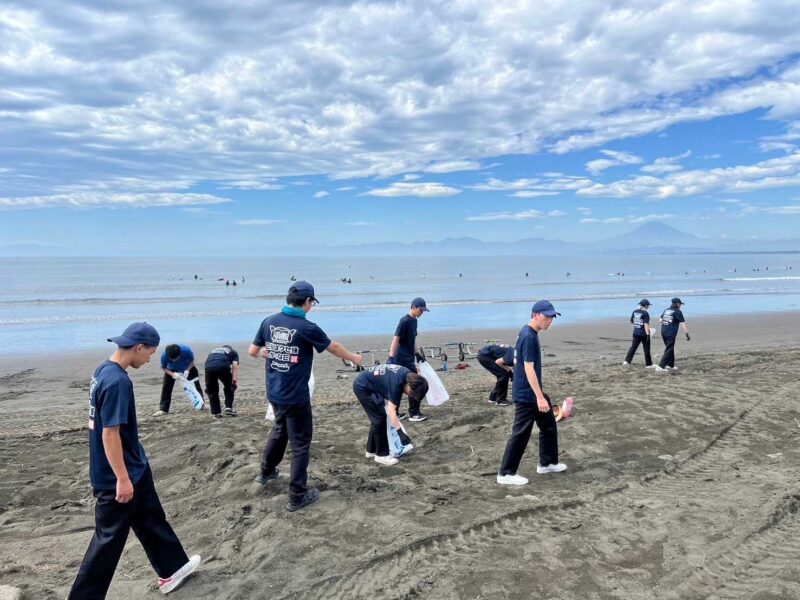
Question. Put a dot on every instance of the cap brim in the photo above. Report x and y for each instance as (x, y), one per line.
(122, 341)
(425, 309)
(551, 313)
(314, 299)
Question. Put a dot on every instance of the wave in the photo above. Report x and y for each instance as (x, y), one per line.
(760, 279)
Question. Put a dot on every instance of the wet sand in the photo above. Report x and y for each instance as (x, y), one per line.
(679, 486)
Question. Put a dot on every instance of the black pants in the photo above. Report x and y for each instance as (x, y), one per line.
(377, 439)
(524, 417)
(293, 424)
(644, 340)
(413, 405)
(169, 383)
(500, 391)
(668, 358)
(213, 376)
(113, 521)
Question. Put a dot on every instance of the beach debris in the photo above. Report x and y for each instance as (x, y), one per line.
(565, 410)
(665, 457)
(8, 592)
(776, 455)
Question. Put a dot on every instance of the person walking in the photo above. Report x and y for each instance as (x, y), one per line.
(288, 340)
(222, 365)
(671, 320)
(640, 319)
(532, 404)
(177, 360)
(379, 389)
(403, 350)
(122, 481)
(498, 359)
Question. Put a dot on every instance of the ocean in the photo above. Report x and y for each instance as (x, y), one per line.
(73, 304)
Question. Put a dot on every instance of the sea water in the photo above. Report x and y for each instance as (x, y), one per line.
(70, 304)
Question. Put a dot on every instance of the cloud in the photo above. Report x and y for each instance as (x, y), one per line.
(615, 159)
(252, 185)
(347, 188)
(411, 177)
(584, 210)
(360, 224)
(321, 194)
(508, 216)
(498, 185)
(421, 190)
(453, 166)
(556, 213)
(533, 193)
(633, 220)
(666, 164)
(111, 200)
(258, 222)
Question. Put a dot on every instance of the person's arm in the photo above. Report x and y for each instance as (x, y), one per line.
(256, 351)
(393, 347)
(235, 366)
(647, 328)
(112, 445)
(340, 351)
(501, 363)
(685, 330)
(392, 412)
(168, 372)
(541, 402)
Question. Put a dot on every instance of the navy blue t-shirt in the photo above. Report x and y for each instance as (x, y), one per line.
(180, 364)
(671, 320)
(527, 349)
(385, 381)
(222, 357)
(111, 404)
(290, 342)
(495, 351)
(407, 332)
(639, 317)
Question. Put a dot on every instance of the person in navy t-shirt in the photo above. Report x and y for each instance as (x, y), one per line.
(671, 319)
(403, 349)
(222, 365)
(121, 477)
(532, 404)
(288, 340)
(177, 360)
(640, 319)
(379, 389)
(498, 359)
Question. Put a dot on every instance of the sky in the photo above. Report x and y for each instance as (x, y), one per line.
(226, 127)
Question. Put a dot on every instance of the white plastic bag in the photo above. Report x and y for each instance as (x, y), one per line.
(396, 447)
(437, 395)
(191, 392)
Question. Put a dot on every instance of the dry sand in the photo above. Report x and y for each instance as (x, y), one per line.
(679, 486)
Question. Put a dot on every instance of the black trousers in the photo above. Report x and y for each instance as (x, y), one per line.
(377, 439)
(644, 340)
(500, 391)
(213, 376)
(169, 383)
(668, 358)
(413, 405)
(524, 417)
(293, 424)
(113, 520)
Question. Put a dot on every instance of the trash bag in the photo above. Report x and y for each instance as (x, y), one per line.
(437, 395)
(191, 392)
(396, 446)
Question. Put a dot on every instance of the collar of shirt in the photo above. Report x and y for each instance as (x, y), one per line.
(294, 312)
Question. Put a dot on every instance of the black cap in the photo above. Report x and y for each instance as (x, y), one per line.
(303, 289)
(644, 302)
(677, 301)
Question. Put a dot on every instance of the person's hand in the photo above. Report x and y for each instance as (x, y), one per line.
(124, 491)
(235, 384)
(419, 356)
(542, 403)
(358, 359)
(174, 375)
(688, 337)
(390, 360)
(263, 353)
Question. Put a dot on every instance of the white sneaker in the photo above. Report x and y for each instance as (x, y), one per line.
(511, 479)
(159, 413)
(557, 468)
(672, 368)
(369, 455)
(625, 363)
(387, 461)
(172, 583)
(651, 366)
(660, 370)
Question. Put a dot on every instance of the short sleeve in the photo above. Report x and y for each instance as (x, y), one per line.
(402, 328)
(317, 338)
(633, 314)
(679, 316)
(259, 340)
(529, 350)
(234, 356)
(645, 317)
(116, 399)
(163, 360)
(508, 357)
(189, 355)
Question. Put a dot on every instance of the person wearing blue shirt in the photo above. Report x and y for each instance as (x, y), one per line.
(403, 350)
(532, 404)
(222, 365)
(288, 340)
(379, 389)
(671, 319)
(498, 359)
(640, 319)
(177, 360)
(121, 478)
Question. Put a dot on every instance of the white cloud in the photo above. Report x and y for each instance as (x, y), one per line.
(252, 185)
(421, 190)
(508, 216)
(556, 213)
(584, 210)
(411, 177)
(498, 185)
(453, 166)
(347, 188)
(360, 223)
(633, 220)
(533, 193)
(615, 159)
(111, 200)
(258, 222)
(666, 164)
(321, 194)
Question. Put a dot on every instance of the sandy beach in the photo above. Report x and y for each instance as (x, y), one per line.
(679, 486)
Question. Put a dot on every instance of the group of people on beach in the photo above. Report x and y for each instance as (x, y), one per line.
(671, 320)
(120, 474)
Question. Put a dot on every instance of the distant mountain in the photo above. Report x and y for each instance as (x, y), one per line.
(14, 250)
(650, 234)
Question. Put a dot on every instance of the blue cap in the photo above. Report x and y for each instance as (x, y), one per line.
(644, 302)
(304, 289)
(677, 301)
(546, 308)
(419, 303)
(137, 333)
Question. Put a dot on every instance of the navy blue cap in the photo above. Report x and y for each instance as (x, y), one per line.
(304, 289)
(677, 301)
(644, 302)
(546, 308)
(419, 303)
(137, 333)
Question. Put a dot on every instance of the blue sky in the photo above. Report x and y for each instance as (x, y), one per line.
(212, 128)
